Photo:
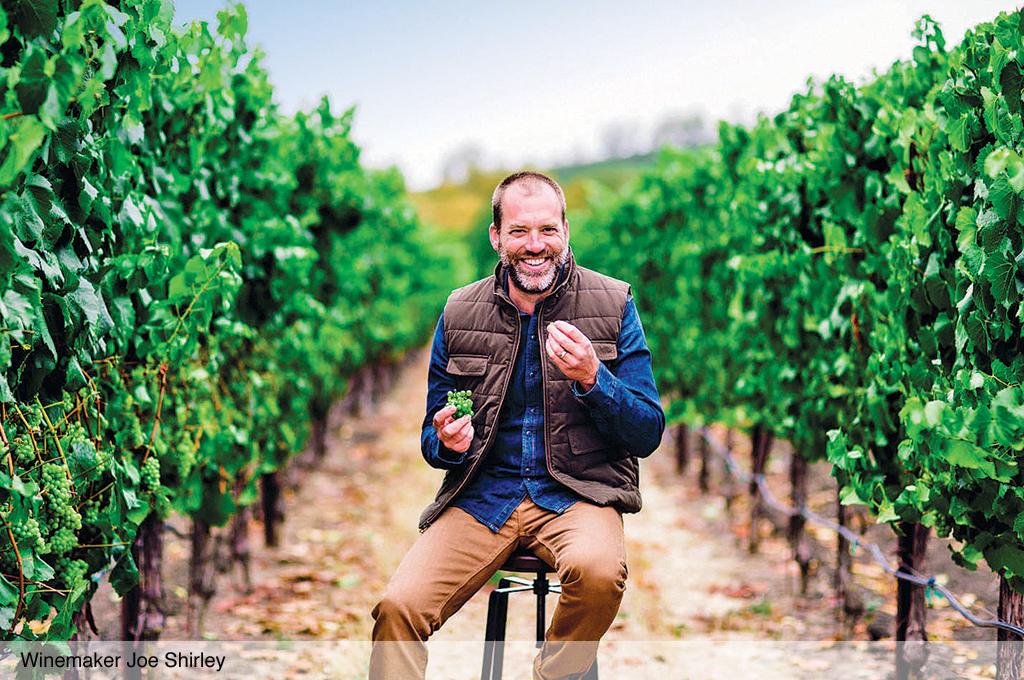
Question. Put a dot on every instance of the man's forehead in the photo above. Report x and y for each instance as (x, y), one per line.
(532, 187)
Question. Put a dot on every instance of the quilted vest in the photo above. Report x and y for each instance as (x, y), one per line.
(481, 331)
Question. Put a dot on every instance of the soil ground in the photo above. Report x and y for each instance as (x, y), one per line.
(698, 604)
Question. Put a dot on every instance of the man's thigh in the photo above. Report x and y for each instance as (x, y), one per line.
(585, 536)
(449, 562)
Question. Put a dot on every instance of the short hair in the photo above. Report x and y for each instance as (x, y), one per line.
(528, 182)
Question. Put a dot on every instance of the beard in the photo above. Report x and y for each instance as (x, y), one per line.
(528, 281)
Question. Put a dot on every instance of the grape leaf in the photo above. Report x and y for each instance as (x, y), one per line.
(1012, 81)
(34, 18)
(1000, 271)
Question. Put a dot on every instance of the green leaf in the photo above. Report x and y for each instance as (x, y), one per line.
(1006, 556)
(1008, 418)
(965, 454)
(8, 592)
(91, 303)
(24, 142)
(966, 226)
(1012, 81)
(33, 84)
(991, 229)
(957, 129)
(125, 574)
(1000, 272)
(34, 18)
(1004, 199)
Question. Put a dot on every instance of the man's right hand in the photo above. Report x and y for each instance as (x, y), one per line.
(454, 435)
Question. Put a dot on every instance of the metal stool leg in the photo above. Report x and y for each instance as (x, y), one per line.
(501, 620)
(540, 586)
(494, 636)
(489, 634)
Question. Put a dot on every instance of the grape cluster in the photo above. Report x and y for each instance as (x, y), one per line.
(70, 571)
(91, 512)
(463, 403)
(151, 473)
(28, 532)
(24, 453)
(8, 562)
(60, 517)
(185, 457)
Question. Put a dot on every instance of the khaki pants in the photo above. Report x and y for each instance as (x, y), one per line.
(457, 555)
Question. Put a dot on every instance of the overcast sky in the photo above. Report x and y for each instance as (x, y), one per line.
(538, 82)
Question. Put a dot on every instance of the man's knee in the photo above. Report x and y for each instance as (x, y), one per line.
(597, 574)
(399, 616)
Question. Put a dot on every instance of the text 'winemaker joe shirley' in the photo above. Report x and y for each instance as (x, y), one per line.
(565, 402)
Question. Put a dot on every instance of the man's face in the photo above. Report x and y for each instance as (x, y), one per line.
(533, 241)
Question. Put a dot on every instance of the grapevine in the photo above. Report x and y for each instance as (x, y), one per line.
(191, 278)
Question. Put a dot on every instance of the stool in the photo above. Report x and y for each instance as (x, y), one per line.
(520, 560)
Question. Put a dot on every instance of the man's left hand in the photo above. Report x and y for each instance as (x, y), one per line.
(572, 353)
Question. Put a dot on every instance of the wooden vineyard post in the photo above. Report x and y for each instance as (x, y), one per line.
(911, 636)
(270, 507)
(729, 485)
(1009, 645)
(842, 580)
(318, 439)
(142, 614)
(202, 570)
(797, 535)
(682, 447)
(762, 442)
(704, 476)
(238, 540)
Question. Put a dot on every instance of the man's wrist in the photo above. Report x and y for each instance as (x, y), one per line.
(584, 387)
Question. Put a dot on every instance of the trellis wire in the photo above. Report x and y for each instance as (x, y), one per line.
(854, 539)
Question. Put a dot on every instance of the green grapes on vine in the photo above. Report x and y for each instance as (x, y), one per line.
(463, 403)
(70, 571)
(151, 474)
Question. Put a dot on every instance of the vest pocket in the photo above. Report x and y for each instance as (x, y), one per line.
(605, 351)
(467, 364)
(585, 439)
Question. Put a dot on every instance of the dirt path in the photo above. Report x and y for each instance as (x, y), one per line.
(697, 605)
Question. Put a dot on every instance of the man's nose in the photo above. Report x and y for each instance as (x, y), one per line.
(535, 244)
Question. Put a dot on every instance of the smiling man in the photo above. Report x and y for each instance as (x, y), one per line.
(565, 405)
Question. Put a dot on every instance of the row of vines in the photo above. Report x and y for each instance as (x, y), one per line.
(847, 276)
(188, 280)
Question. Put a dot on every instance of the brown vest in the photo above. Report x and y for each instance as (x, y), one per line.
(481, 331)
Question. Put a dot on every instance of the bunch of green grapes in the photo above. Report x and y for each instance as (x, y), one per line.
(34, 417)
(185, 457)
(28, 533)
(24, 453)
(70, 571)
(62, 521)
(8, 561)
(151, 473)
(91, 512)
(463, 403)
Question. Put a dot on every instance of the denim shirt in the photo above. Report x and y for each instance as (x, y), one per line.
(623, 404)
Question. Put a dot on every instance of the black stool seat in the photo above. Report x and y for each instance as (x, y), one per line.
(521, 560)
(524, 560)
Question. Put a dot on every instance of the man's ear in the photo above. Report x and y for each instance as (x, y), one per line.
(493, 232)
(567, 231)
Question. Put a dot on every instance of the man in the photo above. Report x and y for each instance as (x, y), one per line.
(565, 404)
